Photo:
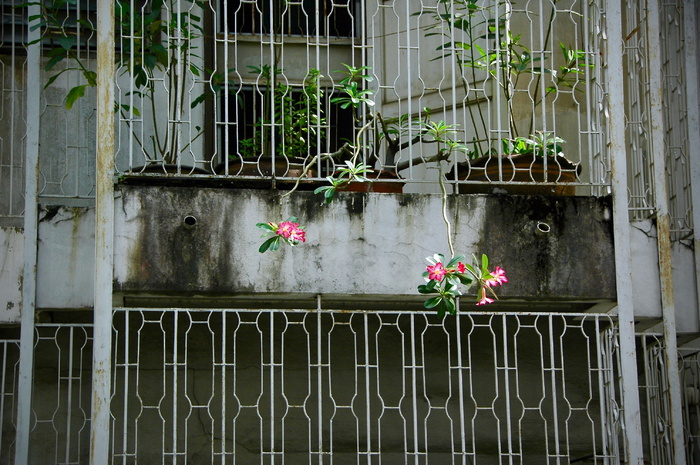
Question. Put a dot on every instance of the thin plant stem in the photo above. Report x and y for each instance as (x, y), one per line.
(448, 225)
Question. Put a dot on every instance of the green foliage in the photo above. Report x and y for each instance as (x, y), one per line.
(351, 172)
(300, 119)
(467, 28)
(354, 94)
(154, 38)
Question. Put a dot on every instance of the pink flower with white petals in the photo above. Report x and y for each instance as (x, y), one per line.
(436, 272)
(291, 232)
(498, 277)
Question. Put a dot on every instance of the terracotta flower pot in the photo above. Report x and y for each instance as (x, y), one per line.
(524, 168)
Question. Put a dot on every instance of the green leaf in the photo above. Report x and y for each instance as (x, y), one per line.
(484, 263)
(271, 244)
(265, 226)
(428, 288)
(54, 61)
(451, 306)
(433, 302)
(200, 99)
(67, 42)
(74, 94)
(455, 260)
(91, 78)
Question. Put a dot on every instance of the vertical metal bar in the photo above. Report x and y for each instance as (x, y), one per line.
(663, 230)
(506, 387)
(618, 161)
(69, 393)
(367, 377)
(271, 348)
(104, 232)
(414, 389)
(319, 380)
(31, 195)
(692, 93)
(460, 381)
(174, 446)
(553, 381)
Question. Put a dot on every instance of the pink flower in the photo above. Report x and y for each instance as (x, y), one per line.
(461, 268)
(286, 229)
(291, 232)
(498, 277)
(484, 300)
(436, 272)
(297, 235)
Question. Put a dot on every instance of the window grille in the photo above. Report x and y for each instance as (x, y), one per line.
(262, 17)
(9, 368)
(675, 111)
(263, 386)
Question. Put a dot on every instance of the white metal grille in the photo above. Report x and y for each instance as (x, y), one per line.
(638, 114)
(9, 366)
(690, 381)
(656, 391)
(676, 119)
(268, 72)
(61, 394)
(67, 136)
(12, 113)
(262, 386)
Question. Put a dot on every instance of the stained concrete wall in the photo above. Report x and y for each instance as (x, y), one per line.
(11, 273)
(362, 244)
(66, 257)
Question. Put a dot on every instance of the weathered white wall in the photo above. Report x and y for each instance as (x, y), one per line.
(362, 244)
(645, 270)
(11, 272)
(66, 257)
(646, 283)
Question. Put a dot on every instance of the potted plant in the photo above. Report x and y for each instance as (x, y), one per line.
(157, 60)
(295, 119)
(526, 155)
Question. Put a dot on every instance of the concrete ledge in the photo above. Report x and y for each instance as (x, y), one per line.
(362, 244)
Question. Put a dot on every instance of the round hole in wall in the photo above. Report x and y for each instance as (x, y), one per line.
(543, 228)
(190, 220)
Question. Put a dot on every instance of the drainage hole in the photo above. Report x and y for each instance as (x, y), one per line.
(190, 220)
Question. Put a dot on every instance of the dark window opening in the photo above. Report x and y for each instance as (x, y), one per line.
(336, 18)
(298, 131)
(66, 24)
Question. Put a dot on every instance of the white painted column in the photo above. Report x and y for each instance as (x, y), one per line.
(104, 232)
(618, 158)
(31, 201)
(663, 230)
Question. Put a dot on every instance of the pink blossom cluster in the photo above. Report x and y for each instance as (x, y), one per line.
(437, 271)
(488, 279)
(291, 232)
(498, 277)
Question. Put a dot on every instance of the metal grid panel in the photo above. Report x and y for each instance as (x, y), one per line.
(638, 123)
(690, 380)
(9, 367)
(67, 136)
(676, 120)
(61, 394)
(252, 386)
(12, 112)
(656, 391)
(255, 73)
